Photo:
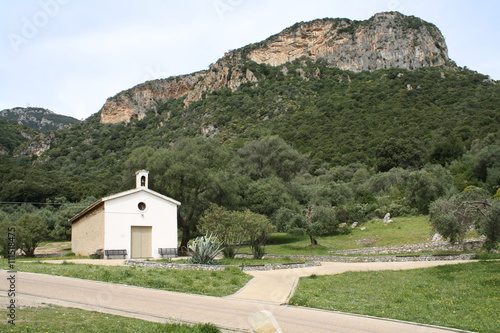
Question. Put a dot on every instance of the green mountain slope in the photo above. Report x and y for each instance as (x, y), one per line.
(344, 117)
(357, 143)
(381, 119)
(378, 119)
(13, 135)
(37, 118)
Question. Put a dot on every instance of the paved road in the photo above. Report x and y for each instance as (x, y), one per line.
(229, 312)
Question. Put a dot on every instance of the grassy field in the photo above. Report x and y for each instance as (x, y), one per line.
(69, 320)
(464, 296)
(219, 283)
(404, 230)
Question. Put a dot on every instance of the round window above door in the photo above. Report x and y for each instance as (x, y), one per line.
(142, 206)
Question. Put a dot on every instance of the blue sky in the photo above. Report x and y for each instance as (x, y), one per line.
(71, 55)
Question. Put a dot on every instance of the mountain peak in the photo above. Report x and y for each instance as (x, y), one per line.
(37, 118)
(386, 40)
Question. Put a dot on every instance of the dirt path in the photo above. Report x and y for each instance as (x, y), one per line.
(277, 286)
(53, 248)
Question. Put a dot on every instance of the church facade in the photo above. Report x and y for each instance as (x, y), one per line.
(139, 223)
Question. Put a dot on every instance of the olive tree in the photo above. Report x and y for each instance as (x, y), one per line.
(473, 208)
(321, 221)
(491, 227)
(271, 156)
(189, 171)
(236, 226)
(267, 195)
(399, 153)
(31, 229)
(427, 185)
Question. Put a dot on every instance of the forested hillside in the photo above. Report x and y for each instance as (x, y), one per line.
(12, 136)
(359, 144)
(302, 134)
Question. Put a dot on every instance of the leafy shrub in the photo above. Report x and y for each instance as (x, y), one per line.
(258, 250)
(229, 252)
(95, 255)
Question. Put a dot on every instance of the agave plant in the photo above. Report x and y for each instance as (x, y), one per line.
(205, 249)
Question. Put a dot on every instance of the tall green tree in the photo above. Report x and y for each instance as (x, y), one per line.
(399, 153)
(4, 230)
(186, 171)
(487, 167)
(472, 208)
(427, 185)
(447, 150)
(31, 229)
(267, 195)
(271, 156)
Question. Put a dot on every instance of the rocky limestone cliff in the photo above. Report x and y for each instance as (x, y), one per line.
(133, 103)
(387, 40)
(225, 73)
(37, 146)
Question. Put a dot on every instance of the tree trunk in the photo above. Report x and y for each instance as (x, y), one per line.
(186, 234)
(313, 239)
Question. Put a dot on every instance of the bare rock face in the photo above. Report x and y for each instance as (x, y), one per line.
(4, 150)
(387, 40)
(40, 143)
(226, 73)
(133, 103)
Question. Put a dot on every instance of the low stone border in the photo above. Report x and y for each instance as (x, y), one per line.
(403, 258)
(461, 256)
(265, 267)
(49, 255)
(467, 245)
